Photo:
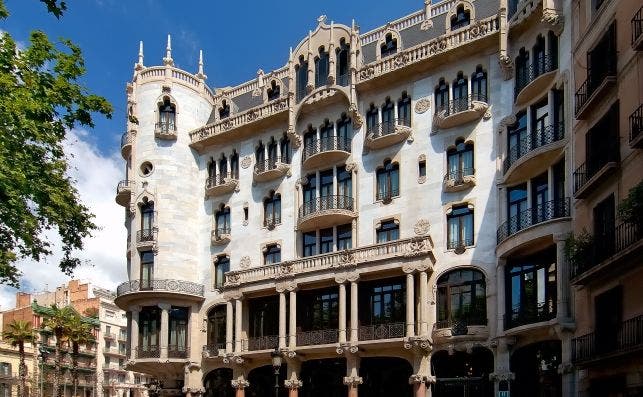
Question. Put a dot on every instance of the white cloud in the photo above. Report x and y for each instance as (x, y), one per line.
(104, 254)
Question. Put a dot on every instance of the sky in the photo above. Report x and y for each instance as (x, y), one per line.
(237, 38)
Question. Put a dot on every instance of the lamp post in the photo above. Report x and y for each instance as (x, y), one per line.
(275, 355)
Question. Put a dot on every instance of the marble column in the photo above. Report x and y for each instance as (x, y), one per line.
(237, 324)
(229, 338)
(410, 305)
(562, 281)
(293, 320)
(282, 320)
(354, 311)
(424, 300)
(165, 326)
(134, 331)
(342, 313)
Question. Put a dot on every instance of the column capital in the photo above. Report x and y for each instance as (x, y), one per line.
(135, 308)
(293, 383)
(283, 286)
(232, 295)
(419, 378)
(239, 383)
(353, 381)
(422, 343)
(347, 348)
(164, 306)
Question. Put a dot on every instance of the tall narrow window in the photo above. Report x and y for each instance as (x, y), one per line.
(272, 153)
(460, 94)
(460, 160)
(223, 168)
(273, 91)
(479, 85)
(149, 328)
(224, 110)
(388, 181)
(559, 114)
(539, 121)
(604, 227)
(553, 49)
(344, 132)
(522, 70)
(272, 254)
(343, 54)
(216, 337)
(147, 269)
(221, 267)
(461, 18)
(517, 138)
(222, 221)
(301, 71)
(309, 243)
(260, 156)
(388, 231)
(167, 116)
(285, 149)
(272, 210)
(389, 47)
(383, 302)
(461, 299)
(321, 68)
(388, 117)
(327, 139)
(372, 119)
(344, 182)
(540, 198)
(404, 110)
(310, 188)
(310, 141)
(147, 222)
(234, 165)
(516, 205)
(326, 240)
(441, 96)
(539, 56)
(460, 227)
(178, 331)
(344, 237)
(212, 168)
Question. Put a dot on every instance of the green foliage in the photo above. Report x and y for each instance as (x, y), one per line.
(631, 208)
(578, 249)
(40, 100)
(91, 312)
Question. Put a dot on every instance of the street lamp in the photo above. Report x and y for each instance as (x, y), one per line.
(275, 355)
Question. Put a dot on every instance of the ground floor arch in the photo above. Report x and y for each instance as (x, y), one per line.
(463, 374)
(323, 378)
(218, 383)
(385, 376)
(535, 367)
(262, 382)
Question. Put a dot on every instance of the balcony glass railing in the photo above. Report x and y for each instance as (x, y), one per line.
(541, 213)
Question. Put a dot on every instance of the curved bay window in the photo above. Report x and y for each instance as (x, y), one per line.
(286, 151)
(167, 116)
(404, 110)
(217, 328)
(272, 254)
(178, 331)
(462, 299)
(461, 18)
(273, 91)
(222, 221)
(321, 68)
(388, 181)
(301, 76)
(441, 96)
(272, 210)
(372, 119)
(343, 54)
(389, 47)
(460, 93)
(224, 110)
(479, 85)
(149, 329)
(460, 160)
(221, 267)
(531, 289)
(460, 227)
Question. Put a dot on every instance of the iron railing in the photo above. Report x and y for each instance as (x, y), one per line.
(387, 193)
(463, 387)
(458, 175)
(637, 25)
(325, 203)
(219, 179)
(458, 242)
(459, 325)
(165, 127)
(109, 335)
(386, 127)
(267, 342)
(594, 80)
(123, 185)
(146, 235)
(175, 351)
(460, 105)
(269, 164)
(148, 352)
(535, 69)
(212, 349)
(381, 331)
(547, 211)
(168, 285)
(534, 140)
(595, 162)
(221, 231)
(318, 337)
(636, 123)
(326, 144)
(628, 337)
(126, 139)
(529, 313)
(605, 246)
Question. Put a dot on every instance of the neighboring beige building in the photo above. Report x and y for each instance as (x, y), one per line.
(608, 271)
(9, 364)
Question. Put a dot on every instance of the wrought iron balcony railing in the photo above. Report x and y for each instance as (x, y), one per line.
(267, 342)
(636, 123)
(326, 144)
(535, 69)
(176, 351)
(165, 127)
(595, 162)
(386, 193)
(530, 314)
(126, 139)
(536, 139)
(594, 81)
(637, 25)
(387, 127)
(553, 209)
(459, 325)
(460, 104)
(458, 175)
(270, 164)
(594, 346)
(459, 243)
(381, 331)
(148, 352)
(212, 349)
(176, 286)
(221, 231)
(124, 185)
(318, 337)
(220, 179)
(146, 235)
(325, 203)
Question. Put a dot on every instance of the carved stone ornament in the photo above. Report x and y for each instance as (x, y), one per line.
(506, 66)
(421, 179)
(357, 118)
(422, 105)
(353, 381)
(555, 19)
(351, 166)
(346, 258)
(245, 262)
(506, 122)
(295, 139)
(246, 161)
(417, 248)
(422, 227)
(426, 25)
(285, 269)
(240, 383)
(256, 92)
(293, 383)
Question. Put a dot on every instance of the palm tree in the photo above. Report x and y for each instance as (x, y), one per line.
(79, 333)
(18, 333)
(58, 321)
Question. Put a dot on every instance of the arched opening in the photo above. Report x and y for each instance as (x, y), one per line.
(404, 110)
(536, 369)
(222, 221)
(218, 383)
(461, 300)
(167, 116)
(274, 91)
(389, 46)
(323, 378)
(301, 71)
(385, 377)
(441, 96)
(216, 329)
(461, 18)
(224, 110)
(343, 53)
(460, 93)
(463, 374)
(460, 160)
(479, 85)
(262, 382)
(388, 180)
(321, 67)
(388, 118)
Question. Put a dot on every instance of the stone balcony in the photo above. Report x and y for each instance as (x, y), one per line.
(460, 111)
(387, 134)
(130, 291)
(146, 239)
(270, 169)
(534, 80)
(459, 180)
(124, 193)
(325, 151)
(165, 130)
(326, 211)
(473, 327)
(221, 184)
(126, 144)
(220, 235)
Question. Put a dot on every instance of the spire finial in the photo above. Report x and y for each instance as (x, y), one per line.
(139, 64)
(200, 73)
(168, 52)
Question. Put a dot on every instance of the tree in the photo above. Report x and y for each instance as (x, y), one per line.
(58, 321)
(79, 333)
(18, 333)
(41, 99)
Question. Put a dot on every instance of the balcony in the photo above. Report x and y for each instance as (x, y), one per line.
(146, 239)
(165, 130)
(596, 86)
(387, 193)
(124, 193)
(548, 211)
(594, 172)
(132, 290)
(174, 351)
(270, 169)
(471, 326)
(114, 352)
(268, 342)
(220, 235)
(602, 251)
(109, 336)
(539, 148)
(126, 144)
(460, 111)
(592, 348)
(636, 125)
(318, 337)
(529, 314)
(532, 81)
(381, 331)
(637, 30)
(325, 151)
(221, 184)
(213, 350)
(459, 180)
(148, 352)
(387, 134)
(326, 211)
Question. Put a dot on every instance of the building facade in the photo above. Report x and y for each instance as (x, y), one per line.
(9, 365)
(388, 213)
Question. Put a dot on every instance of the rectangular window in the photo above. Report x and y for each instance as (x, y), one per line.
(309, 243)
(147, 269)
(422, 168)
(540, 198)
(148, 329)
(460, 227)
(516, 205)
(272, 254)
(344, 237)
(604, 227)
(326, 240)
(263, 316)
(221, 267)
(326, 183)
(388, 231)
(178, 329)
(344, 182)
(383, 302)
(319, 310)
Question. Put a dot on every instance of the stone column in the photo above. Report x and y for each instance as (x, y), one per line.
(237, 324)
(293, 387)
(134, 331)
(229, 338)
(165, 319)
(410, 305)
(500, 295)
(394, 111)
(293, 320)
(282, 320)
(354, 311)
(424, 299)
(342, 312)
(562, 281)
(240, 385)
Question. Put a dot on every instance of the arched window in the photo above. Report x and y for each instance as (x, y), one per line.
(388, 181)
(372, 121)
(273, 91)
(553, 50)
(234, 165)
(222, 220)
(343, 53)
(461, 299)
(522, 70)
(221, 267)
(216, 328)
(404, 110)
(224, 110)
(272, 153)
(327, 136)
(389, 47)
(460, 93)
(460, 160)
(302, 77)
(388, 116)
(310, 139)
(460, 227)
(461, 18)
(441, 96)
(260, 155)
(539, 61)
(167, 116)
(344, 182)
(285, 149)
(321, 68)
(212, 168)
(272, 210)
(147, 221)
(344, 130)
(223, 167)
(479, 85)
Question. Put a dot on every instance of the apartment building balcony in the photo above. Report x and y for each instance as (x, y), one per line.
(214, 350)
(176, 351)
(602, 253)
(114, 352)
(326, 211)
(325, 151)
(165, 130)
(109, 336)
(147, 352)
(459, 180)
(539, 216)
(272, 168)
(124, 193)
(317, 337)
(220, 235)
(637, 30)
(597, 84)
(533, 80)
(469, 327)
(636, 126)
(146, 239)
(267, 342)
(594, 347)
(541, 146)
(460, 111)
(388, 133)
(221, 184)
(126, 144)
(382, 331)
(529, 314)
(130, 291)
(592, 173)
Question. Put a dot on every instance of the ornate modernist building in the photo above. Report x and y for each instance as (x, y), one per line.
(339, 213)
